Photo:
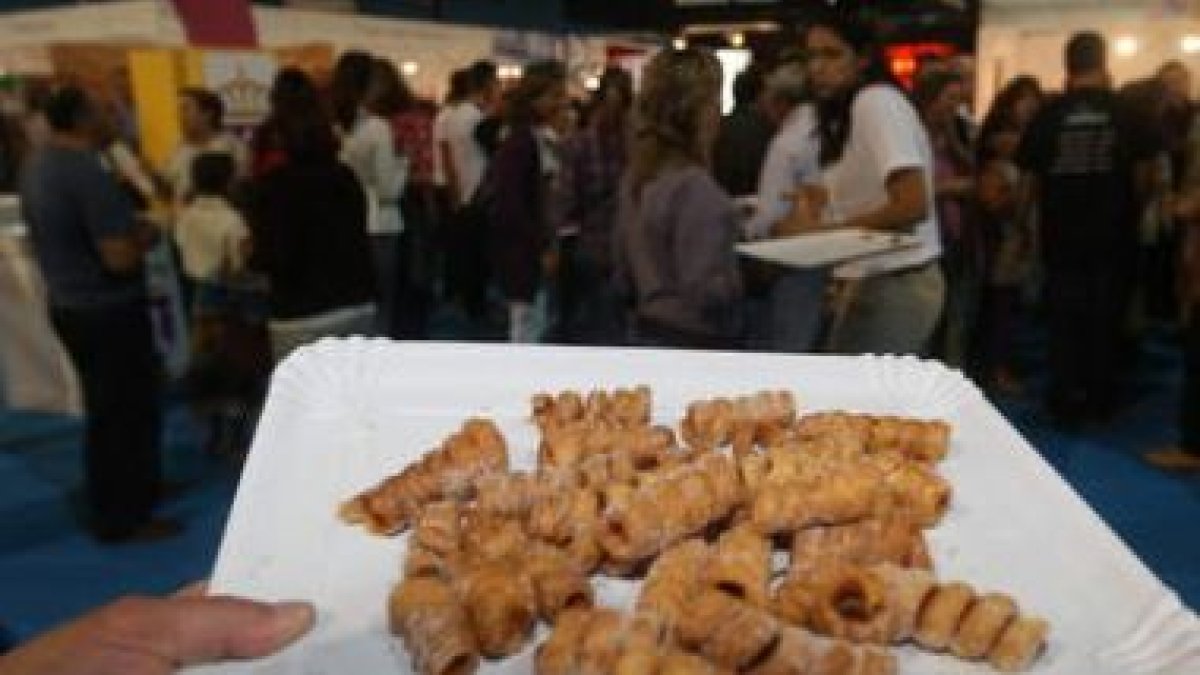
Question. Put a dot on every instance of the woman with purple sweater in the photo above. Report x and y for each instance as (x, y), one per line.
(676, 228)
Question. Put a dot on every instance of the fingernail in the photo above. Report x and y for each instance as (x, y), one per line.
(294, 618)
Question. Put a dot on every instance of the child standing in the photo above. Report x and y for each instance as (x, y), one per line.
(229, 344)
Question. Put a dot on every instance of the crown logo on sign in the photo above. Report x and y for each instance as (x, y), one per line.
(245, 98)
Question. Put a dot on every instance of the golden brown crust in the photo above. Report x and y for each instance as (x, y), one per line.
(1019, 644)
(982, 626)
(425, 613)
(500, 605)
(476, 449)
(943, 612)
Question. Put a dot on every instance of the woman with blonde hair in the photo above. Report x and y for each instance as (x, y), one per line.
(676, 228)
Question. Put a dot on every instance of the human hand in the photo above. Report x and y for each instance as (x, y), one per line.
(808, 202)
(158, 636)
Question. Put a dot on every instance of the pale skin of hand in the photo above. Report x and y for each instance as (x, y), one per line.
(158, 636)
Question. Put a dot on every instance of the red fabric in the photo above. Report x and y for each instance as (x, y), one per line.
(217, 23)
(413, 133)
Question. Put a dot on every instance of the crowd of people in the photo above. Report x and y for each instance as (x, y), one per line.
(357, 208)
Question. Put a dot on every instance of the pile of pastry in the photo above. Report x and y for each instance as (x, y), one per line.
(699, 514)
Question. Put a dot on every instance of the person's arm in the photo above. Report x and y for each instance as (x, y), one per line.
(121, 240)
(123, 253)
(907, 205)
(158, 636)
(776, 188)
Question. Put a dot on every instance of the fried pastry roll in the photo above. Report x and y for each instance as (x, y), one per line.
(488, 537)
(842, 497)
(501, 606)
(425, 613)
(438, 529)
(558, 583)
(672, 582)
(943, 611)
(670, 508)
(866, 543)
(921, 440)
(1019, 644)
(727, 631)
(982, 626)
(741, 566)
(478, 448)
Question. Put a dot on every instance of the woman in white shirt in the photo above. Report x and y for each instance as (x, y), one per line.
(876, 173)
(369, 149)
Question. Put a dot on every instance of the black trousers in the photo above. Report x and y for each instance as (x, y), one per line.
(1086, 308)
(112, 349)
(467, 269)
(1189, 412)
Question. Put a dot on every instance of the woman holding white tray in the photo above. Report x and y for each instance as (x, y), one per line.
(875, 174)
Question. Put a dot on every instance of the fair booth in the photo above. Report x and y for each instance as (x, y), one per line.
(138, 50)
(1019, 37)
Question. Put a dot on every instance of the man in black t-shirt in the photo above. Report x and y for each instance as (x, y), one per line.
(1086, 159)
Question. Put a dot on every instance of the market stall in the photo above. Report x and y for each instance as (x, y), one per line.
(1027, 36)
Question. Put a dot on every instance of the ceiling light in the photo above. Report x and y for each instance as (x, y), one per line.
(1126, 46)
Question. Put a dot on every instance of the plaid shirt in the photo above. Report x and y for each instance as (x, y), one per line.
(413, 134)
(587, 189)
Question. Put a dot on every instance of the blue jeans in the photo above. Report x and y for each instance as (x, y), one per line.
(797, 302)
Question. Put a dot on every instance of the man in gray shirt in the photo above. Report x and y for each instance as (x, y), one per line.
(90, 249)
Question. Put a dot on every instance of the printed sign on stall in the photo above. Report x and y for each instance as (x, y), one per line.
(243, 81)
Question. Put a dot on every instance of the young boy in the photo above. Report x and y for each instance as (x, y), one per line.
(228, 309)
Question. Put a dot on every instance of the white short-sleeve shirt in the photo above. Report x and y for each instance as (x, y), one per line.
(439, 136)
(886, 135)
(470, 160)
(791, 162)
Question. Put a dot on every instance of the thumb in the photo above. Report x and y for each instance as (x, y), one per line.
(209, 630)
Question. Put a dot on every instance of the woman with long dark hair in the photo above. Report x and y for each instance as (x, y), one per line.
(938, 97)
(308, 217)
(412, 123)
(293, 97)
(1008, 244)
(876, 173)
(518, 183)
(368, 149)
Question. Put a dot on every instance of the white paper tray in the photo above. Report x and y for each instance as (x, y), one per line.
(343, 414)
(821, 249)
